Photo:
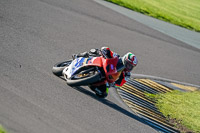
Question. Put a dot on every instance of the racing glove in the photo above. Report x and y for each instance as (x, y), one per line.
(127, 76)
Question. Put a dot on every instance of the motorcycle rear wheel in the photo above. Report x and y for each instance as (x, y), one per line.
(59, 67)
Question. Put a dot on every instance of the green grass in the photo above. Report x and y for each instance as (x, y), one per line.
(184, 106)
(2, 130)
(185, 13)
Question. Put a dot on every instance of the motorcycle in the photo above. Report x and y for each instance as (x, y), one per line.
(95, 70)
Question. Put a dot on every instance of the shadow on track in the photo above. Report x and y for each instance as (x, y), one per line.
(116, 107)
(123, 111)
(108, 103)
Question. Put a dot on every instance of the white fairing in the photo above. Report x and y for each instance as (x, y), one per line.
(69, 71)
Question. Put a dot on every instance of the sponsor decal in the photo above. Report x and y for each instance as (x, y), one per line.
(111, 67)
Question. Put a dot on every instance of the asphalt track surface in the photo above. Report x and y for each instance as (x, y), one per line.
(36, 34)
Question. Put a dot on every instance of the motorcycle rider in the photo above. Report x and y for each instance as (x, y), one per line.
(129, 60)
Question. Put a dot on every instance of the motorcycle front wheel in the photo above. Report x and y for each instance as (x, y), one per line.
(59, 67)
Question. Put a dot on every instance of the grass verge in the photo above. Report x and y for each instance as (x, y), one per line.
(180, 108)
(2, 130)
(185, 13)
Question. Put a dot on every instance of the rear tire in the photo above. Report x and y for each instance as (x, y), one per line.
(59, 67)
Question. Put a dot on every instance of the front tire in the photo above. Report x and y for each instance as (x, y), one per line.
(59, 67)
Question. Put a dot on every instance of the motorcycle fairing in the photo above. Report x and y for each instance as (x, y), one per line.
(95, 61)
(110, 68)
(81, 62)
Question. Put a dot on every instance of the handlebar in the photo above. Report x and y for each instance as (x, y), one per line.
(97, 52)
(105, 56)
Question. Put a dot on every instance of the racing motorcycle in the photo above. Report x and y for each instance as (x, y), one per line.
(95, 70)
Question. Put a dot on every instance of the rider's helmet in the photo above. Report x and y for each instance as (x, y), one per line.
(130, 61)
